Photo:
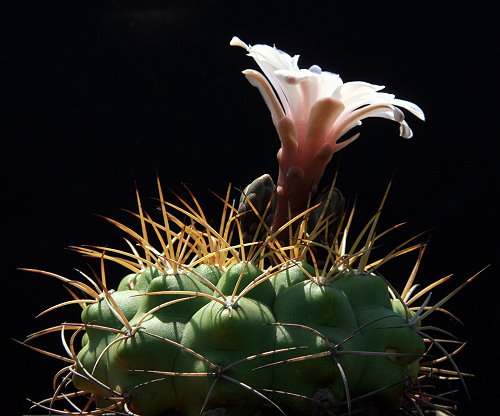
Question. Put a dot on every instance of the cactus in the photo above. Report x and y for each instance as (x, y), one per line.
(276, 310)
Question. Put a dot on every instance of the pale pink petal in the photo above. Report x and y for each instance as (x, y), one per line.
(344, 143)
(322, 116)
(405, 131)
(350, 90)
(328, 83)
(269, 59)
(345, 122)
(289, 144)
(411, 107)
(259, 81)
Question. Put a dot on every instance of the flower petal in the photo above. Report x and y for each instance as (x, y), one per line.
(328, 83)
(294, 77)
(236, 41)
(289, 144)
(322, 116)
(270, 59)
(350, 91)
(319, 161)
(411, 107)
(348, 120)
(405, 131)
(344, 143)
(300, 91)
(273, 58)
(260, 82)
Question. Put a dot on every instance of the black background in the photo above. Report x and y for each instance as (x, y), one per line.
(100, 95)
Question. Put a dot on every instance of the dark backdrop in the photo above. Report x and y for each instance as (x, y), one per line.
(100, 95)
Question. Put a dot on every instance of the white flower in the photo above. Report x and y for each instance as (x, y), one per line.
(312, 109)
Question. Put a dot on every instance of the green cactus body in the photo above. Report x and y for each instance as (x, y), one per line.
(96, 340)
(325, 309)
(291, 273)
(384, 331)
(149, 348)
(242, 275)
(226, 336)
(206, 273)
(296, 335)
(148, 393)
(255, 328)
(139, 281)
